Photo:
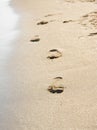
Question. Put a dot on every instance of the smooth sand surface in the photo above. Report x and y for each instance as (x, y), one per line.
(25, 102)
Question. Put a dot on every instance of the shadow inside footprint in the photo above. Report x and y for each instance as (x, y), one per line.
(55, 89)
(58, 78)
(54, 53)
(35, 39)
(53, 50)
(48, 15)
(92, 34)
(67, 21)
(42, 22)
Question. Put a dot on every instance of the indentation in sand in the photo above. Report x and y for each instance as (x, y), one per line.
(35, 38)
(93, 34)
(67, 21)
(57, 85)
(54, 53)
(89, 20)
(42, 22)
(49, 15)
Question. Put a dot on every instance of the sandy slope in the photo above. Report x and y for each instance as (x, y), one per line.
(32, 107)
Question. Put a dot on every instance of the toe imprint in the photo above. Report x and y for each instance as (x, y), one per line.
(35, 39)
(54, 53)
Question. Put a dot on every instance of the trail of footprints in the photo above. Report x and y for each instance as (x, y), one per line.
(86, 20)
(57, 85)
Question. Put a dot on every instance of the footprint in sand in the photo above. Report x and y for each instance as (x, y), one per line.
(35, 38)
(54, 54)
(49, 15)
(57, 86)
(80, 0)
(92, 34)
(42, 22)
(89, 20)
(68, 21)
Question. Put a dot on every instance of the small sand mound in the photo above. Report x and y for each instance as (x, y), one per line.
(89, 20)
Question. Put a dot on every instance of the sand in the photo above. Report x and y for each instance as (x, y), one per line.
(29, 105)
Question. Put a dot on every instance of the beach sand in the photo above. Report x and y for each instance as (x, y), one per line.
(61, 26)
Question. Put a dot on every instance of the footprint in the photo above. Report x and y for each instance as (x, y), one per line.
(35, 39)
(92, 34)
(67, 21)
(49, 15)
(58, 78)
(57, 85)
(89, 20)
(85, 16)
(54, 53)
(42, 22)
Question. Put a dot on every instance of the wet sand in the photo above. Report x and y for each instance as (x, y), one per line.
(26, 103)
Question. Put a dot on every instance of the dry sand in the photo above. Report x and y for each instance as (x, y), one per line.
(30, 106)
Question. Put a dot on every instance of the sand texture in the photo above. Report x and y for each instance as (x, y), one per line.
(53, 68)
